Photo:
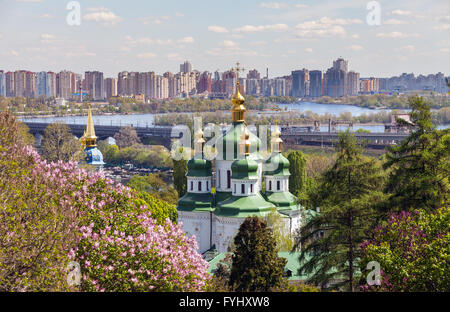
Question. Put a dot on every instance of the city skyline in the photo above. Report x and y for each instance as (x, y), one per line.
(281, 36)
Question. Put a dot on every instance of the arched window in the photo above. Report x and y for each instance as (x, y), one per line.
(278, 185)
(251, 188)
(207, 186)
(199, 186)
(228, 178)
(192, 185)
(270, 185)
(242, 188)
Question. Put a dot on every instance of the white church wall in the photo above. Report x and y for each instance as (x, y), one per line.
(198, 224)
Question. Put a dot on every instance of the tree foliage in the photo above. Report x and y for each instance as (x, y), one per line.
(297, 168)
(255, 263)
(179, 175)
(330, 240)
(54, 213)
(126, 137)
(412, 250)
(59, 144)
(420, 165)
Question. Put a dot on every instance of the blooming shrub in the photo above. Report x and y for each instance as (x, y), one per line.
(413, 252)
(54, 213)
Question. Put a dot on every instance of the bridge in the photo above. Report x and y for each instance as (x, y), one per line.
(372, 140)
(163, 135)
(157, 135)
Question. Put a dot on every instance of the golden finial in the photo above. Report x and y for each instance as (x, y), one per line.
(448, 84)
(238, 111)
(245, 142)
(276, 140)
(89, 139)
(199, 142)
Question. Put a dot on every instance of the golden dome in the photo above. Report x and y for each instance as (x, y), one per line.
(239, 109)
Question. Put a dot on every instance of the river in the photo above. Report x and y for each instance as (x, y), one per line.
(143, 120)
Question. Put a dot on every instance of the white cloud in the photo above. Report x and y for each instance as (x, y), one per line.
(394, 21)
(73, 54)
(442, 27)
(14, 53)
(409, 48)
(174, 57)
(253, 28)
(187, 40)
(228, 44)
(309, 50)
(146, 55)
(258, 43)
(29, 0)
(163, 42)
(217, 29)
(396, 34)
(401, 12)
(444, 50)
(46, 15)
(301, 6)
(325, 26)
(179, 14)
(47, 38)
(355, 36)
(102, 15)
(273, 5)
(355, 47)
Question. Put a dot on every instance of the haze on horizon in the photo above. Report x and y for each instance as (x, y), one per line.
(117, 35)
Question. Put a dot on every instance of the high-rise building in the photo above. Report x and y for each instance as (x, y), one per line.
(41, 84)
(10, 91)
(2, 83)
(19, 83)
(204, 83)
(50, 85)
(279, 87)
(65, 84)
(336, 82)
(95, 85)
(252, 86)
(253, 74)
(110, 87)
(300, 80)
(186, 67)
(341, 64)
(353, 83)
(315, 83)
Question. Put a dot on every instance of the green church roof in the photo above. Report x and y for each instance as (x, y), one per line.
(199, 168)
(283, 200)
(244, 169)
(245, 206)
(196, 202)
(233, 138)
(276, 165)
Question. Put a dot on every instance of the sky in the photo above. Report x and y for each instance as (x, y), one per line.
(155, 35)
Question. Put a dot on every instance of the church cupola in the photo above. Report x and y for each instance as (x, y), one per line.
(89, 140)
(199, 174)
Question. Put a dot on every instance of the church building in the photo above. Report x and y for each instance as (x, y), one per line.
(215, 217)
(93, 155)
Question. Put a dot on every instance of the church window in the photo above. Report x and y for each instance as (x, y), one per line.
(242, 188)
(200, 186)
(278, 185)
(251, 188)
(192, 186)
(207, 185)
(235, 189)
(228, 178)
(270, 185)
(219, 178)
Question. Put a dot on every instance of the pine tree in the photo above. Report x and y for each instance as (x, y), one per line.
(297, 168)
(330, 240)
(255, 264)
(420, 165)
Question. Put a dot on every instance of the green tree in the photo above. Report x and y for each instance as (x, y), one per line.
(255, 263)
(297, 168)
(420, 165)
(284, 239)
(412, 250)
(179, 175)
(111, 154)
(155, 185)
(127, 136)
(58, 143)
(347, 195)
